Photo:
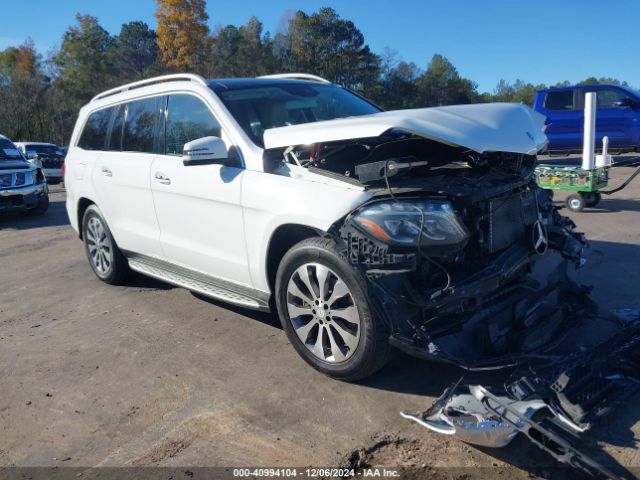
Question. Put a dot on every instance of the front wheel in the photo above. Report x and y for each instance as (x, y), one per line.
(575, 203)
(324, 310)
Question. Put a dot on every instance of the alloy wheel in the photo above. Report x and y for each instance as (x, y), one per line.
(99, 245)
(323, 312)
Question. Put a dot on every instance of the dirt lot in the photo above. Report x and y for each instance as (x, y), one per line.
(148, 374)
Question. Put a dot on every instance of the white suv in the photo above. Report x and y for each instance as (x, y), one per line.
(418, 228)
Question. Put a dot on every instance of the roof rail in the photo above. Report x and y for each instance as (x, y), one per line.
(297, 76)
(151, 81)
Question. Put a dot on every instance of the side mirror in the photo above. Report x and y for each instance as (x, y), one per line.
(625, 103)
(205, 151)
(31, 154)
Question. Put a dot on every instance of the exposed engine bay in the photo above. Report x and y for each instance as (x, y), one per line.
(469, 262)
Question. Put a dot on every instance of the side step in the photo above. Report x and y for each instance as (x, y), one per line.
(199, 282)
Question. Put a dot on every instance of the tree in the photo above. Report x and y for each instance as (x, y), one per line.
(601, 80)
(518, 92)
(183, 34)
(137, 50)
(399, 86)
(442, 85)
(241, 52)
(25, 93)
(8, 58)
(324, 44)
(87, 59)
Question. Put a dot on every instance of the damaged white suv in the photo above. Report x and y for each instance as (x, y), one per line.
(420, 229)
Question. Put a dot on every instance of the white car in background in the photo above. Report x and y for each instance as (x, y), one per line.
(45, 155)
(362, 228)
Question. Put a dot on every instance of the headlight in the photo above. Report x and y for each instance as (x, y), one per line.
(398, 222)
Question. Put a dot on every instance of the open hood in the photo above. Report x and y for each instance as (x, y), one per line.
(487, 127)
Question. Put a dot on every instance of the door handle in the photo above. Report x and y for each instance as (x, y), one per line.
(106, 172)
(162, 178)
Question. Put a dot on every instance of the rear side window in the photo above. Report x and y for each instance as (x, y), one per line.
(559, 100)
(141, 125)
(188, 118)
(94, 135)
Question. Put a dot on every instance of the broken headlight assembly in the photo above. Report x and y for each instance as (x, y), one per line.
(406, 222)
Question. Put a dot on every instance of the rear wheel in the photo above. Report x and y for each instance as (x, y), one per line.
(325, 312)
(105, 258)
(591, 198)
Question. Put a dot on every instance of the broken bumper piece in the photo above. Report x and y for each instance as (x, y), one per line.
(551, 402)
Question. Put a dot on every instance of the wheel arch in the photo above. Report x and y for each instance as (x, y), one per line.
(283, 238)
(83, 204)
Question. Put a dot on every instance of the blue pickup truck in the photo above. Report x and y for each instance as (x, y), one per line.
(617, 117)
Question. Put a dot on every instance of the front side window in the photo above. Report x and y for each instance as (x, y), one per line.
(608, 97)
(93, 136)
(559, 100)
(141, 125)
(188, 118)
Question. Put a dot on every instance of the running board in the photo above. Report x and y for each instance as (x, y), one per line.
(206, 285)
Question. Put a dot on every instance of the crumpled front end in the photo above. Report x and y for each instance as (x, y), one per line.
(488, 284)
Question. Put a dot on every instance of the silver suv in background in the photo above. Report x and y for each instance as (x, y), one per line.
(48, 156)
(22, 185)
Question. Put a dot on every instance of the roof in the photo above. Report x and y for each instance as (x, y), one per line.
(574, 87)
(220, 84)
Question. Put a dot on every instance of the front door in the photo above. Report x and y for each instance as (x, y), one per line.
(198, 206)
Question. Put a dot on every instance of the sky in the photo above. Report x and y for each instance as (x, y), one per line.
(545, 41)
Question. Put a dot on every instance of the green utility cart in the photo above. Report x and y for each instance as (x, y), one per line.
(585, 183)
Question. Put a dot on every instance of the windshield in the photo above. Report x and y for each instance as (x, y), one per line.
(41, 149)
(259, 108)
(8, 150)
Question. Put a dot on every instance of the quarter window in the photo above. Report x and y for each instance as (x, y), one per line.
(141, 124)
(93, 136)
(188, 118)
(562, 100)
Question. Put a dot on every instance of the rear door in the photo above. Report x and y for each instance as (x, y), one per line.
(564, 120)
(198, 206)
(122, 175)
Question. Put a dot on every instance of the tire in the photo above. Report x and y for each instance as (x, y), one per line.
(575, 203)
(591, 199)
(40, 209)
(353, 342)
(105, 258)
